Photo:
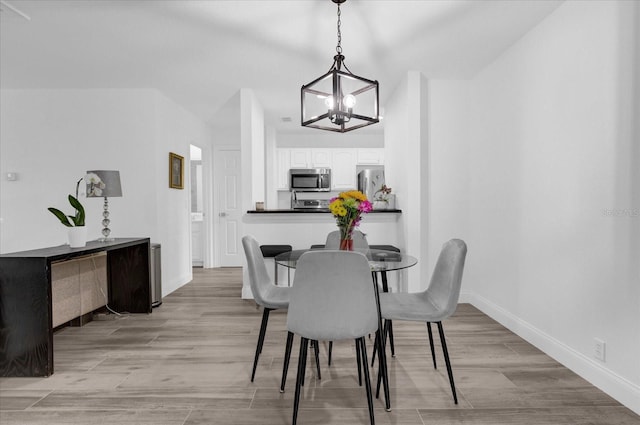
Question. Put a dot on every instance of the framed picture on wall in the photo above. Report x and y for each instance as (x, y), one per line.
(176, 171)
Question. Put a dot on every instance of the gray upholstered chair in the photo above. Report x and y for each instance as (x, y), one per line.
(265, 293)
(333, 242)
(359, 240)
(332, 298)
(436, 303)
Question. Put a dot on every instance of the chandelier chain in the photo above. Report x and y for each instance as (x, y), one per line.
(339, 45)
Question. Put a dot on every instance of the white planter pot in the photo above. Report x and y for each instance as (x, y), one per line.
(77, 236)
(389, 204)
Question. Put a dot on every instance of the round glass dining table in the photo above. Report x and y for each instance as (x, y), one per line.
(379, 260)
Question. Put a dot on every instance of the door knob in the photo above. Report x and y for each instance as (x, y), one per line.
(222, 214)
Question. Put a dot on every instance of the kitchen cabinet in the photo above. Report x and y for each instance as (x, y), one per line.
(370, 156)
(309, 158)
(343, 170)
(299, 157)
(342, 162)
(321, 158)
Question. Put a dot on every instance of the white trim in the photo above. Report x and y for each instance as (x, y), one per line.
(616, 386)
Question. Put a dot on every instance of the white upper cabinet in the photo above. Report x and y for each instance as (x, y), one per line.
(343, 170)
(321, 158)
(370, 156)
(309, 157)
(299, 157)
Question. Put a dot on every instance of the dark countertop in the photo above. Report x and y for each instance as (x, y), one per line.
(313, 211)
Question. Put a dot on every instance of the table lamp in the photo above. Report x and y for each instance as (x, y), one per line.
(104, 184)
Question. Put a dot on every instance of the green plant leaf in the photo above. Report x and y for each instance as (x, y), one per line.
(63, 218)
(78, 220)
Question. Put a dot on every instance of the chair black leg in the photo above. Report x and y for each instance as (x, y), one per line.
(433, 352)
(287, 357)
(375, 346)
(367, 380)
(316, 352)
(373, 356)
(384, 338)
(302, 364)
(263, 330)
(383, 373)
(446, 360)
(391, 345)
(358, 361)
(382, 364)
(385, 288)
(330, 350)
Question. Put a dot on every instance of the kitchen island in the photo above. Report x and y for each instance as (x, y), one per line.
(302, 228)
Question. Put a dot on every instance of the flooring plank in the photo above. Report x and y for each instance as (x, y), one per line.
(189, 363)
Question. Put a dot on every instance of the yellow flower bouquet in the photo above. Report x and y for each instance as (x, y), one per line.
(348, 208)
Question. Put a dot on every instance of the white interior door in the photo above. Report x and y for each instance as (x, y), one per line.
(228, 182)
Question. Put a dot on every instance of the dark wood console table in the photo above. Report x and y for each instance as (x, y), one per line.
(26, 332)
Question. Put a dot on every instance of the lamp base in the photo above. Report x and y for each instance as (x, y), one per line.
(106, 240)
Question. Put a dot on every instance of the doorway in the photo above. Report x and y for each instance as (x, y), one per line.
(197, 207)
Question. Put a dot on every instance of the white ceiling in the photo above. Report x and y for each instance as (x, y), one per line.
(200, 53)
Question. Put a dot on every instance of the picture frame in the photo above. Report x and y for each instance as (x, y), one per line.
(176, 171)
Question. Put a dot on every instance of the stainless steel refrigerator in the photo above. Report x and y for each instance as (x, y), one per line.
(370, 180)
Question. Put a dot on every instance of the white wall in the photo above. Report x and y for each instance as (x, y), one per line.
(226, 123)
(407, 165)
(176, 129)
(252, 148)
(449, 136)
(272, 172)
(553, 209)
(324, 139)
(52, 137)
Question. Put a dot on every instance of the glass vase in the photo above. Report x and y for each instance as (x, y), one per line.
(346, 244)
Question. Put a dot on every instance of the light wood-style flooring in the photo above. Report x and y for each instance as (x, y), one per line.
(189, 363)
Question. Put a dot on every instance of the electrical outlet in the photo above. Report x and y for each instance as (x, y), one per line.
(599, 349)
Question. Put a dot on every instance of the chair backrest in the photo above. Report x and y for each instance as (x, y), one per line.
(332, 296)
(359, 240)
(444, 288)
(258, 276)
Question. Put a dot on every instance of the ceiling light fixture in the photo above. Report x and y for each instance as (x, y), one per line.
(339, 100)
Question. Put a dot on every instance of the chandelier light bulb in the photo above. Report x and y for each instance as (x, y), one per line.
(349, 101)
(329, 102)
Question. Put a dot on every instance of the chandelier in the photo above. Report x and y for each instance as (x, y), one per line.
(339, 100)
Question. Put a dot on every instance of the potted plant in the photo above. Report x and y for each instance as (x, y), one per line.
(75, 222)
(383, 199)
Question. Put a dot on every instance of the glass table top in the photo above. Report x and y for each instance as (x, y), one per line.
(379, 260)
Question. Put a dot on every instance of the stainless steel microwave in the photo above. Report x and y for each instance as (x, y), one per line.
(310, 179)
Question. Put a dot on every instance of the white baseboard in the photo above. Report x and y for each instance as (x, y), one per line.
(246, 293)
(616, 386)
